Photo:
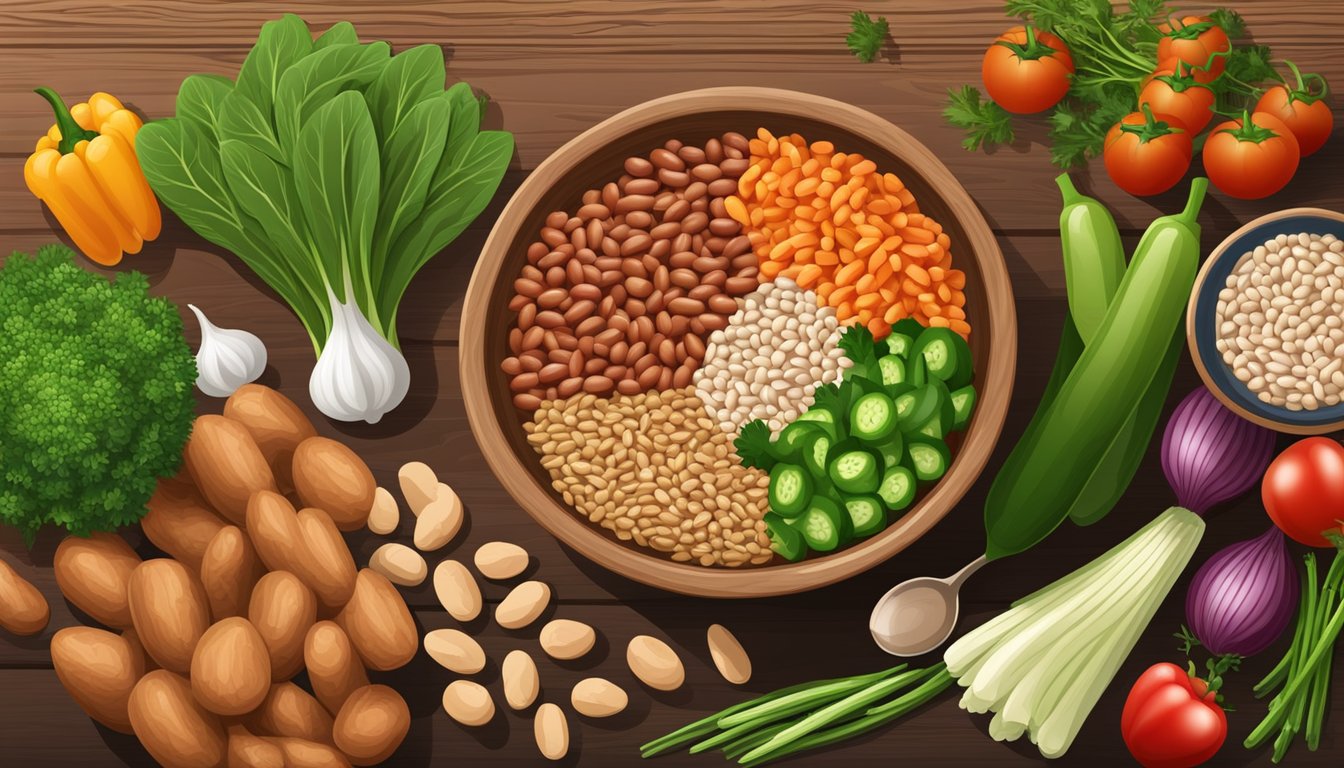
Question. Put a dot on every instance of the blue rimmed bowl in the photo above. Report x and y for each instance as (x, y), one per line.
(1202, 322)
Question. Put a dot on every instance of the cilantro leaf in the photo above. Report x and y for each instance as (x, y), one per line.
(753, 446)
(859, 346)
(984, 121)
(832, 397)
(1230, 21)
(866, 36)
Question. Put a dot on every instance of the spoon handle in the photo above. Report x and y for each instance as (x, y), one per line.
(955, 580)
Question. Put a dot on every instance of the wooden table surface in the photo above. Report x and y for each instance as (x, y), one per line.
(551, 70)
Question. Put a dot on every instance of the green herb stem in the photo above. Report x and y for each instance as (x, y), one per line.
(834, 712)
(874, 718)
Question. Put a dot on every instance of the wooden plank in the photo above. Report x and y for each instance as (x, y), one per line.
(787, 646)
(800, 27)
(187, 269)
(533, 93)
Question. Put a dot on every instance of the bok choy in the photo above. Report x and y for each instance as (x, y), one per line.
(335, 171)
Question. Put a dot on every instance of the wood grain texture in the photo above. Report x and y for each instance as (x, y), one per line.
(552, 70)
(797, 27)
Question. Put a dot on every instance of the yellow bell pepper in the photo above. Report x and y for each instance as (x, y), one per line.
(86, 171)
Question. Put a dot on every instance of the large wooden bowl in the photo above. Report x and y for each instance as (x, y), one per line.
(595, 157)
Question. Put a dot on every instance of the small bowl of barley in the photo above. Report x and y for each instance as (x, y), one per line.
(1266, 321)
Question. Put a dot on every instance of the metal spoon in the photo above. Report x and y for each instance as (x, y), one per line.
(916, 616)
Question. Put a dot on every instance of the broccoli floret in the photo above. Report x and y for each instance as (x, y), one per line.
(95, 394)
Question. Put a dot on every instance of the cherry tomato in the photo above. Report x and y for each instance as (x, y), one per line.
(1171, 719)
(1147, 153)
(1303, 490)
(1304, 112)
(1027, 70)
(1194, 40)
(1174, 90)
(1251, 157)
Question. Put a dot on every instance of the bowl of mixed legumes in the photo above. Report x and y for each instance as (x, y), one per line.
(1265, 323)
(739, 342)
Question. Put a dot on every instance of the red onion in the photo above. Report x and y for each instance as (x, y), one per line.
(1210, 454)
(1243, 598)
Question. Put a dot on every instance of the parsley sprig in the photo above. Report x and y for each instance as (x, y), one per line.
(866, 36)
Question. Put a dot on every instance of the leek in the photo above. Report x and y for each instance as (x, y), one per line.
(1042, 665)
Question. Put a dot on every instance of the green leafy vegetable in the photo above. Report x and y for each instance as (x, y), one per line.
(335, 171)
(859, 346)
(753, 446)
(95, 394)
(866, 36)
(983, 121)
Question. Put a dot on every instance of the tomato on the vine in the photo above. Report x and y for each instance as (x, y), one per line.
(1027, 70)
(1174, 90)
(1303, 490)
(1197, 41)
(1147, 153)
(1251, 157)
(1171, 719)
(1302, 109)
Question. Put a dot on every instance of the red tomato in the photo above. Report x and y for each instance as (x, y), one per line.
(1147, 153)
(1172, 720)
(1179, 94)
(1304, 112)
(1251, 157)
(1027, 70)
(1194, 40)
(1303, 490)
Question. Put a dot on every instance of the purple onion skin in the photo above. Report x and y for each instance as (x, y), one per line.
(1244, 597)
(1210, 454)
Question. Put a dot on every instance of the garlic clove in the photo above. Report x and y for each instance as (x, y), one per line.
(359, 375)
(227, 359)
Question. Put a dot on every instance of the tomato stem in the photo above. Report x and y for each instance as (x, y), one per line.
(1249, 131)
(1151, 128)
(1180, 31)
(1303, 91)
(1182, 79)
(1032, 50)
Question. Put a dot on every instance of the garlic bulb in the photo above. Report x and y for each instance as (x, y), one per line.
(359, 376)
(228, 358)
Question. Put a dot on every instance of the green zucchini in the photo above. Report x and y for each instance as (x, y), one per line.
(1046, 471)
(873, 418)
(963, 406)
(1094, 257)
(946, 356)
(790, 489)
(815, 450)
(1115, 471)
(824, 527)
(908, 327)
(892, 450)
(854, 471)
(929, 458)
(867, 515)
(785, 540)
(821, 417)
(893, 370)
(900, 344)
(789, 445)
(897, 488)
